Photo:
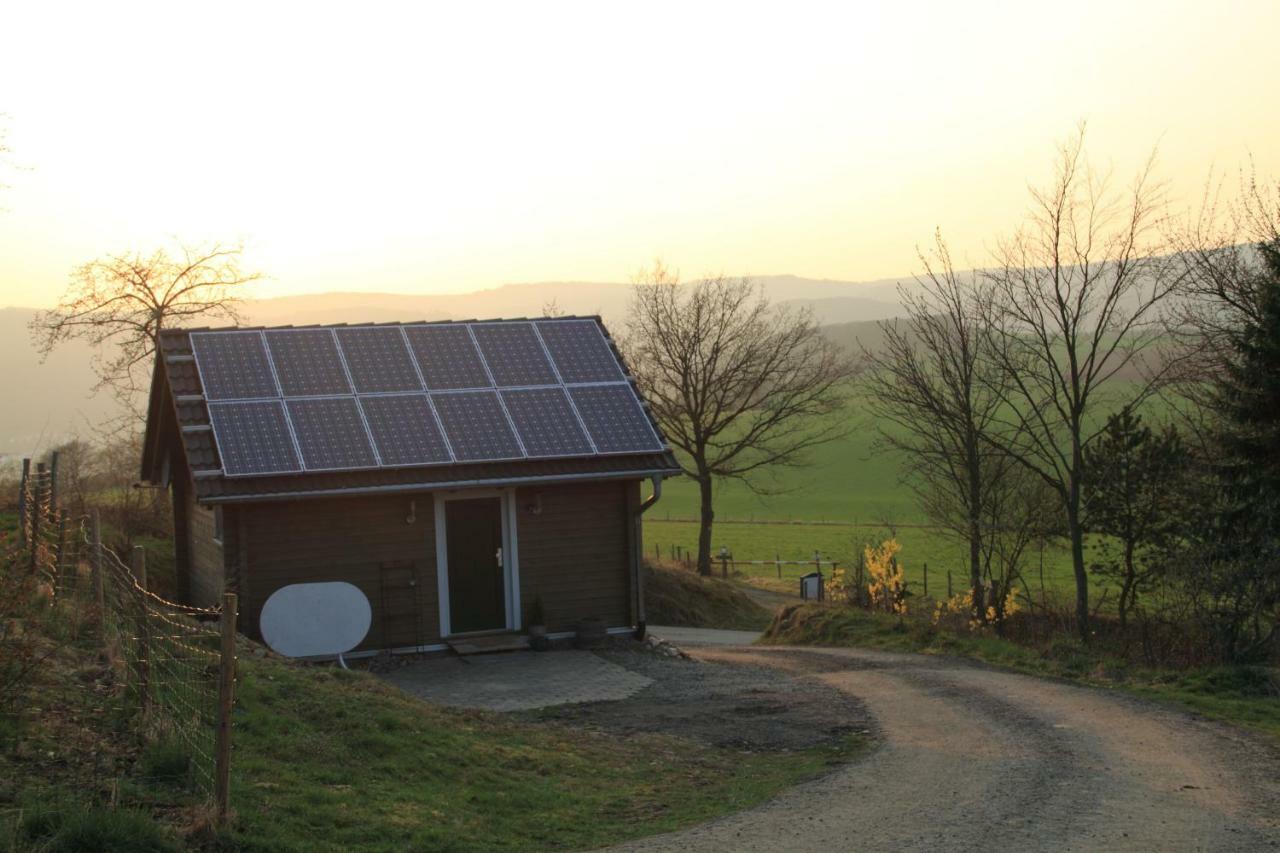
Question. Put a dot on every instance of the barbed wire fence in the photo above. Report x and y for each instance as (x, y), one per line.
(178, 661)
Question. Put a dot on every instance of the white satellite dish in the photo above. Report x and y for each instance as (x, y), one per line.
(313, 619)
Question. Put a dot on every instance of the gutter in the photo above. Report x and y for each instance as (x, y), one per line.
(639, 556)
(442, 486)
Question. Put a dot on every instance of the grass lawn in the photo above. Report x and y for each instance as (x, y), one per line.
(328, 759)
(1244, 695)
(329, 754)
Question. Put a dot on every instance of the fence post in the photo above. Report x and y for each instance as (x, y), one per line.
(926, 580)
(948, 583)
(99, 585)
(724, 564)
(657, 553)
(59, 556)
(138, 564)
(53, 483)
(36, 513)
(777, 560)
(226, 699)
(22, 502)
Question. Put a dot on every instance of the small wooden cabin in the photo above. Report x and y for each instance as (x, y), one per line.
(454, 472)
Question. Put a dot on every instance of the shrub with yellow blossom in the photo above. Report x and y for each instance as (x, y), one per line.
(886, 587)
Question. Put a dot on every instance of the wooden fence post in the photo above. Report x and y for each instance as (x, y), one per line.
(53, 484)
(23, 502)
(948, 584)
(36, 513)
(59, 556)
(724, 564)
(99, 584)
(926, 580)
(138, 564)
(226, 700)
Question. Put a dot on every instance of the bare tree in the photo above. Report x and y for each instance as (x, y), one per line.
(936, 400)
(119, 304)
(1075, 298)
(738, 385)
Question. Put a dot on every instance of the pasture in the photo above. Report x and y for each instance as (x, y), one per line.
(851, 494)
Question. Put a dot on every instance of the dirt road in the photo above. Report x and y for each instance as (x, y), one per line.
(976, 759)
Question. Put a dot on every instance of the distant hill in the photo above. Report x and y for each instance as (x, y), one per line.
(48, 402)
(831, 302)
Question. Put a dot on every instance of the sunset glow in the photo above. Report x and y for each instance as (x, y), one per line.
(461, 148)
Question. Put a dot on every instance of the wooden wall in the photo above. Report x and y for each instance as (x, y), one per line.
(364, 541)
(576, 553)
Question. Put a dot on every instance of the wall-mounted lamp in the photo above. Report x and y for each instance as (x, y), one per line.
(413, 512)
(535, 506)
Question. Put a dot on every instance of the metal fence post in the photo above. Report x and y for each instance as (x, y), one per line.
(226, 700)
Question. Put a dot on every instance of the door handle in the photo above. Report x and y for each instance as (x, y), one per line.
(497, 555)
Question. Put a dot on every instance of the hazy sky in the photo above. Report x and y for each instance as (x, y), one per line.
(454, 146)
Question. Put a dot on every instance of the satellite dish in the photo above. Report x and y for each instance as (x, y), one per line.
(313, 619)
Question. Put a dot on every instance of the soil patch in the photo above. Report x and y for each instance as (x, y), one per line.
(751, 708)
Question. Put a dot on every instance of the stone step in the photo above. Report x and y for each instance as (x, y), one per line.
(489, 643)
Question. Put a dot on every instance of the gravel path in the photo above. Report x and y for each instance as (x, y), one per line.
(976, 759)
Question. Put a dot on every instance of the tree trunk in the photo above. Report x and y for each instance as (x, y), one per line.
(704, 529)
(1127, 590)
(1077, 560)
(975, 533)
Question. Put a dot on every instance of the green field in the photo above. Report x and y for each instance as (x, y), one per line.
(852, 493)
(921, 546)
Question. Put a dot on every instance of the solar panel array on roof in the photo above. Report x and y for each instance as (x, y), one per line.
(354, 397)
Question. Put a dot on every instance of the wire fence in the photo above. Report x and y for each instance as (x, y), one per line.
(178, 662)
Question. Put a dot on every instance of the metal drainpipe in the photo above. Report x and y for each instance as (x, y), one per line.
(639, 540)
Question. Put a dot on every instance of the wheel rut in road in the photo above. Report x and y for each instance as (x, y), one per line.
(972, 758)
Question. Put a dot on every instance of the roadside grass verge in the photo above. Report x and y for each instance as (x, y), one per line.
(675, 596)
(335, 759)
(1248, 696)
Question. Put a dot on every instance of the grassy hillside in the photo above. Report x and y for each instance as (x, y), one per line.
(330, 759)
(674, 596)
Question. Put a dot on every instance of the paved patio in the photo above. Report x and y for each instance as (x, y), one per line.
(517, 681)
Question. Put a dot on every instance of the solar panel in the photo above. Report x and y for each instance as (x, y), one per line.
(546, 423)
(378, 359)
(233, 365)
(614, 418)
(331, 433)
(307, 362)
(404, 430)
(253, 438)
(476, 425)
(514, 354)
(580, 351)
(447, 357)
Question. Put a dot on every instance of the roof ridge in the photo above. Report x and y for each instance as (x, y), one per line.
(178, 330)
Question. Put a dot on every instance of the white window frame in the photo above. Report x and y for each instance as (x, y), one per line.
(510, 554)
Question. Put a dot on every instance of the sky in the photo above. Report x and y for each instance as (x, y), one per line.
(451, 147)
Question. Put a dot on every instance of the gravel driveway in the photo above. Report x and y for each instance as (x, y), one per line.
(977, 759)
